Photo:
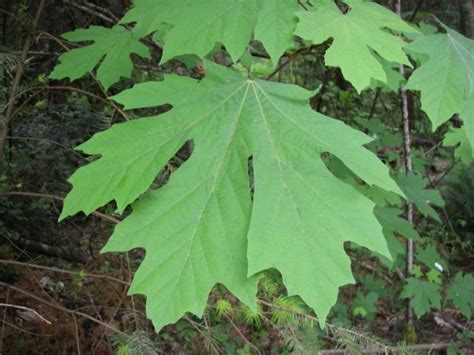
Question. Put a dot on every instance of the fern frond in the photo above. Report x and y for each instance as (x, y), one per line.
(139, 343)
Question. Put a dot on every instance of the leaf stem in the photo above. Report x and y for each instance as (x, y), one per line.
(291, 57)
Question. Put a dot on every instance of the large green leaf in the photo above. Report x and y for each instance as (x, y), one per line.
(446, 79)
(196, 228)
(392, 223)
(276, 23)
(458, 137)
(111, 48)
(414, 187)
(197, 26)
(423, 295)
(356, 35)
(461, 293)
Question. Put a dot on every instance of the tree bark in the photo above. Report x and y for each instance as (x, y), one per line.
(466, 9)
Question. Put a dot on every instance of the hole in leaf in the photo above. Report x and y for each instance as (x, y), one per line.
(181, 156)
(251, 176)
(343, 6)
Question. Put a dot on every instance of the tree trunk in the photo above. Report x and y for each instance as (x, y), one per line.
(466, 9)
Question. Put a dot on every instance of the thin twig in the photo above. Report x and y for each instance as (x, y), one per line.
(38, 53)
(410, 245)
(57, 198)
(374, 102)
(24, 330)
(415, 12)
(101, 9)
(49, 250)
(81, 91)
(54, 38)
(76, 331)
(7, 13)
(23, 308)
(64, 309)
(131, 296)
(3, 324)
(76, 273)
(435, 182)
(201, 330)
(44, 140)
(242, 335)
(91, 11)
(290, 58)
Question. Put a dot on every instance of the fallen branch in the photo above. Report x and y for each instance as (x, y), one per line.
(49, 250)
(91, 11)
(400, 350)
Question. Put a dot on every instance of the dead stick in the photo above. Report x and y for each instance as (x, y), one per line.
(23, 308)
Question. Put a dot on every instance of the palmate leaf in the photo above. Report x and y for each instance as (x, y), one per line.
(276, 23)
(451, 66)
(430, 257)
(186, 27)
(112, 46)
(365, 305)
(356, 35)
(461, 293)
(197, 26)
(202, 226)
(414, 187)
(393, 82)
(458, 137)
(423, 295)
(392, 223)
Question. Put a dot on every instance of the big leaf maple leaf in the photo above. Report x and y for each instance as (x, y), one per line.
(111, 48)
(203, 227)
(356, 35)
(461, 293)
(188, 27)
(197, 26)
(451, 67)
